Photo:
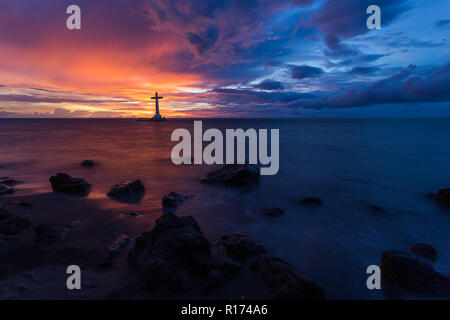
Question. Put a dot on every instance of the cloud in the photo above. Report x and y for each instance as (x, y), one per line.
(364, 70)
(303, 72)
(204, 40)
(269, 85)
(341, 20)
(48, 99)
(402, 87)
(442, 24)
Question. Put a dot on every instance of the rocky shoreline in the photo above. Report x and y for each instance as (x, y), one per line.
(172, 258)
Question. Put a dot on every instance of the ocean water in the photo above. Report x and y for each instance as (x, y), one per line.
(348, 163)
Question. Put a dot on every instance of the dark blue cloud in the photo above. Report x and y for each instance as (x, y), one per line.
(303, 72)
(441, 24)
(204, 40)
(270, 85)
(364, 70)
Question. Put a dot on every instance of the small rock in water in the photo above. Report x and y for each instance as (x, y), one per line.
(3, 250)
(241, 246)
(64, 183)
(8, 181)
(127, 191)
(172, 200)
(271, 212)
(88, 163)
(49, 233)
(119, 245)
(24, 204)
(443, 197)
(408, 273)
(312, 201)
(429, 195)
(234, 175)
(12, 224)
(375, 208)
(425, 251)
(4, 189)
(283, 282)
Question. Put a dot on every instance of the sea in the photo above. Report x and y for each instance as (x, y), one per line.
(350, 164)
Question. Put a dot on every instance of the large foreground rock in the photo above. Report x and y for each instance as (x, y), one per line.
(443, 197)
(283, 282)
(241, 246)
(411, 274)
(234, 175)
(12, 224)
(127, 191)
(64, 183)
(169, 255)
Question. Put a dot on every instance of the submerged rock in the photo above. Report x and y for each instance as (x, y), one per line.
(4, 189)
(127, 191)
(311, 201)
(12, 224)
(9, 182)
(88, 163)
(425, 251)
(119, 245)
(271, 212)
(64, 183)
(283, 282)
(3, 250)
(375, 208)
(174, 248)
(241, 246)
(414, 275)
(172, 200)
(234, 175)
(443, 197)
(49, 233)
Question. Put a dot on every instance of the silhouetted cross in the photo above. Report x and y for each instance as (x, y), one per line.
(156, 98)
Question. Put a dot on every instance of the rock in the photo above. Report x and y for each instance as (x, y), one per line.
(425, 251)
(241, 246)
(174, 244)
(443, 197)
(429, 195)
(64, 183)
(127, 191)
(413, 275)
(282, 281)
(3, 249)
(8, 181)
(220, 272)
(24, 204)
(312, 201)
(12, 224)
(119, 245)
(234, 175)
(271, 212)
(375, 208)
(49, 233)
(4, 189)
(172, 200)
(88, 163)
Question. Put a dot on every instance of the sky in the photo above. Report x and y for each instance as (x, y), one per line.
(225, 58)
